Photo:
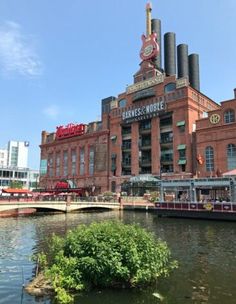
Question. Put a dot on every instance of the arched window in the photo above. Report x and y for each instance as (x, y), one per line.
(209, 156)
(229, 116)
(170, 87)
(122, 103)
(231, 156)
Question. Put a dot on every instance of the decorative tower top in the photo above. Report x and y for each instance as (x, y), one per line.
(150, 47)
(148, 19)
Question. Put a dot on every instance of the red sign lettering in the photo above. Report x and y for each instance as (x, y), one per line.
(70, 130)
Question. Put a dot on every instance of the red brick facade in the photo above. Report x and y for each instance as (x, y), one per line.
(217, 131)
(158, 126)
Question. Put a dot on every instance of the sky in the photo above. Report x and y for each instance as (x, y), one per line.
(59, 58)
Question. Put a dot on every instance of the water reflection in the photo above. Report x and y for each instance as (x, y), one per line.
(206, 252)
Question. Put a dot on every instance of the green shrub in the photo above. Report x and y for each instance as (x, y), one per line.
(107, 254)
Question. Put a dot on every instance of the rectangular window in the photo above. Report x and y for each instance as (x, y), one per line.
(50, 165)
(58, 164)
(65, 163)
(182, 154)
(43, 166)
(81, 162)
(91, 160)
(14, 156)
(73, 162)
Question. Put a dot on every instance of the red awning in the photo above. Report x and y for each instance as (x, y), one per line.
(12, 191)
(232, 172)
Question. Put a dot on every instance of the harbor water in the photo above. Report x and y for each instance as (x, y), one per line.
(205, 250)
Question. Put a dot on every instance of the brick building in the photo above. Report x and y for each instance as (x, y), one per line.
(216, 140)
(161, 125)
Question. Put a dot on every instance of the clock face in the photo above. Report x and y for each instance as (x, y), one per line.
(214, 118)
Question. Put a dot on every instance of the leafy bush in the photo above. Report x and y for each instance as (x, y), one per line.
(154, 196)
(107, 254)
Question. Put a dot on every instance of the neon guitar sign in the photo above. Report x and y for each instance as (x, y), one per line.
(150, 48)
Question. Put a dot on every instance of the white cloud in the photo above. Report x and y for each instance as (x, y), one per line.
(52, 112)
(17, 54)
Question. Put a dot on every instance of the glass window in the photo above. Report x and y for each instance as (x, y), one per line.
(73, 162)
(229, 116)
(43, 166)
(122, 103)
(91, 160)
(65, 163)
(170, 87)
(209, 156)
(50, 165)
(231, 156)
(81, 162)
(58, 163)
(126, 130)
(182, 154)
(145, 125)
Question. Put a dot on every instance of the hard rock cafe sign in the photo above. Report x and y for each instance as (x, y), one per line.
(70, 130)
(150, 47)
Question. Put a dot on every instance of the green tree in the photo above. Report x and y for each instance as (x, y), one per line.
(16, 184)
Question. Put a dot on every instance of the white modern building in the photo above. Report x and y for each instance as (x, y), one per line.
(14, 166)
(3, 157)
(18, 154)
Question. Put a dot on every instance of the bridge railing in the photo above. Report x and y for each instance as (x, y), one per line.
(59, 198)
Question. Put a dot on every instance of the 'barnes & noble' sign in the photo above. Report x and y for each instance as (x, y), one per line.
(70, 130)
(143, 112)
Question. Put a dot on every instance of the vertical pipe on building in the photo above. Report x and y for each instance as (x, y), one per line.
(194, 79)
(170, 53)
(156, 28)
(182, 60)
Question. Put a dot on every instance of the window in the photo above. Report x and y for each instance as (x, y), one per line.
(126, 130)
(73, 162)
(209, 156)
(182, 154)
(170, 87)
(65, 163)
(58, 163)
(122, 103)
(50, 165)
(81, 160)
(113, 163)
(91, 160)
(229, 116)
(231, 156)
(145, 125)
(14, 156)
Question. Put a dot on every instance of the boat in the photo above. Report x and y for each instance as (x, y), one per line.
(197, 210)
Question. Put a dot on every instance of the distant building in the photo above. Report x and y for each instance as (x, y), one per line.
(18, 154)
(14, 166)
(162, 125)
(3, 157)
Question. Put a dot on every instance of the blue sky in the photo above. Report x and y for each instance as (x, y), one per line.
(59, 58)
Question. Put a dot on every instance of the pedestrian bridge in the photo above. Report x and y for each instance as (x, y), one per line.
(57, 205)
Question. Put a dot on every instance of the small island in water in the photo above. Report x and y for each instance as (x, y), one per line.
(106, 254)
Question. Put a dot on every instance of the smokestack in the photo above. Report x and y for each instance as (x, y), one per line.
(235, 93)
(156, 28)
(182, 59)
(193, 61)
(170, 53)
